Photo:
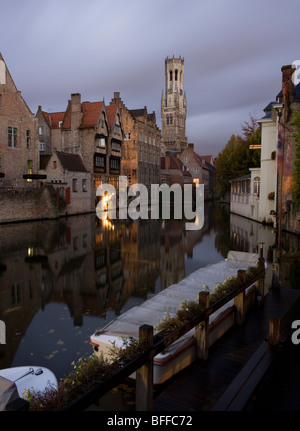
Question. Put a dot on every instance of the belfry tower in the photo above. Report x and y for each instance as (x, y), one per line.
(173, 107)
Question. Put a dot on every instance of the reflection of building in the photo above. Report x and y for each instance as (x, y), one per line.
(246, 235)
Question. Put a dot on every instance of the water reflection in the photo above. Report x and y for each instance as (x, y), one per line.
(59, 280)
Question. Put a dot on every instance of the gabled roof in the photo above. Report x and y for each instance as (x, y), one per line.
(53, 118)
(91, 114)
(175, 163)
(111, 113)
(70, 162)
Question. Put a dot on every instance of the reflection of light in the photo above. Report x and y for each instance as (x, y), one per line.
(106, 198)
(30, 251)
(108, 224)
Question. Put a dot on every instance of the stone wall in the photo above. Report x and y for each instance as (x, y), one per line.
(28, 205)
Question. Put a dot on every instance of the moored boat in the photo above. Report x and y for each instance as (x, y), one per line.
(182, 352)
(16, 380)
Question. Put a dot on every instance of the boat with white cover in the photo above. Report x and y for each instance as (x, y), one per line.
(14, 381)
(182, 352)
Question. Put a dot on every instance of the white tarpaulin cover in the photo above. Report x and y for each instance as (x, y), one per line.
(169, 300)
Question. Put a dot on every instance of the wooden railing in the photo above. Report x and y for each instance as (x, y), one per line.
(143, 365)
(154, 344)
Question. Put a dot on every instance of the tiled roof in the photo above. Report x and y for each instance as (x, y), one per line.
(111, 113)
(71, 162)
(53, 118)
(175, 163)
(44, 159)
(91, 114)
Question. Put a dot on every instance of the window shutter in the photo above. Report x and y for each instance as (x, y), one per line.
(68, 195)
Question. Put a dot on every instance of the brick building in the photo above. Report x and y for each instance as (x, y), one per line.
(71, 181)
(142, 148)
(19, 152)
(173, 171)
(49, 130)
(95, 132)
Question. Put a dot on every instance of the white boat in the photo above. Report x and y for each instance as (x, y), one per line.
(182, 352)
(14, 381)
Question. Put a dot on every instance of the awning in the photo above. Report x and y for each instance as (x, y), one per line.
(34, 177)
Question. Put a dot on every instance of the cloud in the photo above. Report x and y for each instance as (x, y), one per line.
(233, 52)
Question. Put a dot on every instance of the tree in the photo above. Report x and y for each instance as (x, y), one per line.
(236, 158)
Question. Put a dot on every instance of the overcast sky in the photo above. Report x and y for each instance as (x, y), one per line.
(233, 51)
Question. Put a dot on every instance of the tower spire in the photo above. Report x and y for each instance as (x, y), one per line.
(173, 106)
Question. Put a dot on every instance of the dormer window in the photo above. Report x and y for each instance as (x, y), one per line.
(100, 141)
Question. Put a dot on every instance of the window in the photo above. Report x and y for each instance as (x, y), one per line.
(99, 161)
(114, 164)
(101, 142)
(42, 146)
(256, 186)
(29, 170)
(84, 186)
(40, 130)
(176, 75)
(171, 75)
(116, 146)
(74, 185)
(54, 164)
(27, 139)
(12, 137)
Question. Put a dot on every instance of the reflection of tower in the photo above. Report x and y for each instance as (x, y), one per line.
(173, 106)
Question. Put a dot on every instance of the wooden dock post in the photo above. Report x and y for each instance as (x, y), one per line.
(274, 330)
(144, 375)
(201, 330)
(239, 300)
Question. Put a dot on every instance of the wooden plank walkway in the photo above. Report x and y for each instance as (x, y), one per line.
(200, 386)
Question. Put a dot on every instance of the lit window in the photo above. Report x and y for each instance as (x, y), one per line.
(29, 170)
(84, 187)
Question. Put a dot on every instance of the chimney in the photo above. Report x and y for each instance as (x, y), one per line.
(167, 160)
(191, 147)
(288, 87)
(116, 95)
(76, 113)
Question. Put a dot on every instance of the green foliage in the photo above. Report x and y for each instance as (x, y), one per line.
(236, 158)
(86, 374)
(188, 310)
(131, 348)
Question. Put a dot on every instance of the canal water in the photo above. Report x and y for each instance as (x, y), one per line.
(62, 279)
